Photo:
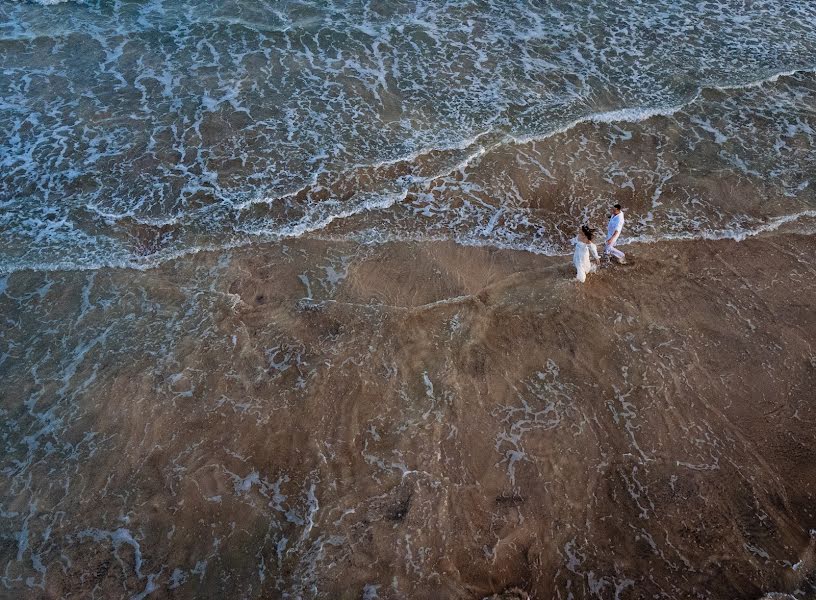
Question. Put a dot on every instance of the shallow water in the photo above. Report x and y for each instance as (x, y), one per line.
(323, 419)
(283, 313)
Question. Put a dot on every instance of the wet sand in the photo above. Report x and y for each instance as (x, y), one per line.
(415, 420)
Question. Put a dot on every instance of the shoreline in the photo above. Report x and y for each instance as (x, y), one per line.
(793, 223)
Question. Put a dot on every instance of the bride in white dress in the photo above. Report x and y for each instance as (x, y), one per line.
(583, 248)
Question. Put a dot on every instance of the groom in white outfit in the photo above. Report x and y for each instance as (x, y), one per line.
(613, 232)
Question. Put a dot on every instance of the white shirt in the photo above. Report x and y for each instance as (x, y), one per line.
(615, 224)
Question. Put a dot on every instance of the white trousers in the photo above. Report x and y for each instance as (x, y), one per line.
(610, 249)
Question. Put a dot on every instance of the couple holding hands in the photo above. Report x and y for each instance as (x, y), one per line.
(584, 246)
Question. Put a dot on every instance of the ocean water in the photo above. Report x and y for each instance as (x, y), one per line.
(135, 132)
(232, 367)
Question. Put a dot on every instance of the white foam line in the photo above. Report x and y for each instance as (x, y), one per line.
(725, 234)
(762, 81)
(135, 263)
(131, 214)
(49, 2)
(463, 145)
(305, 226)
(621, 115)
(146, 265)
(640, 114)
(714, 235)
(721, 234)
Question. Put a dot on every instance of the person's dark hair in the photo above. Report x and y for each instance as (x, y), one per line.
(588, 231)
(618, 206)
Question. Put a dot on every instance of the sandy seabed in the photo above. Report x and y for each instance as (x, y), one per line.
(414, 420)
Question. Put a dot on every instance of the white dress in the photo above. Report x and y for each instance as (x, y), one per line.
(581, 259)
